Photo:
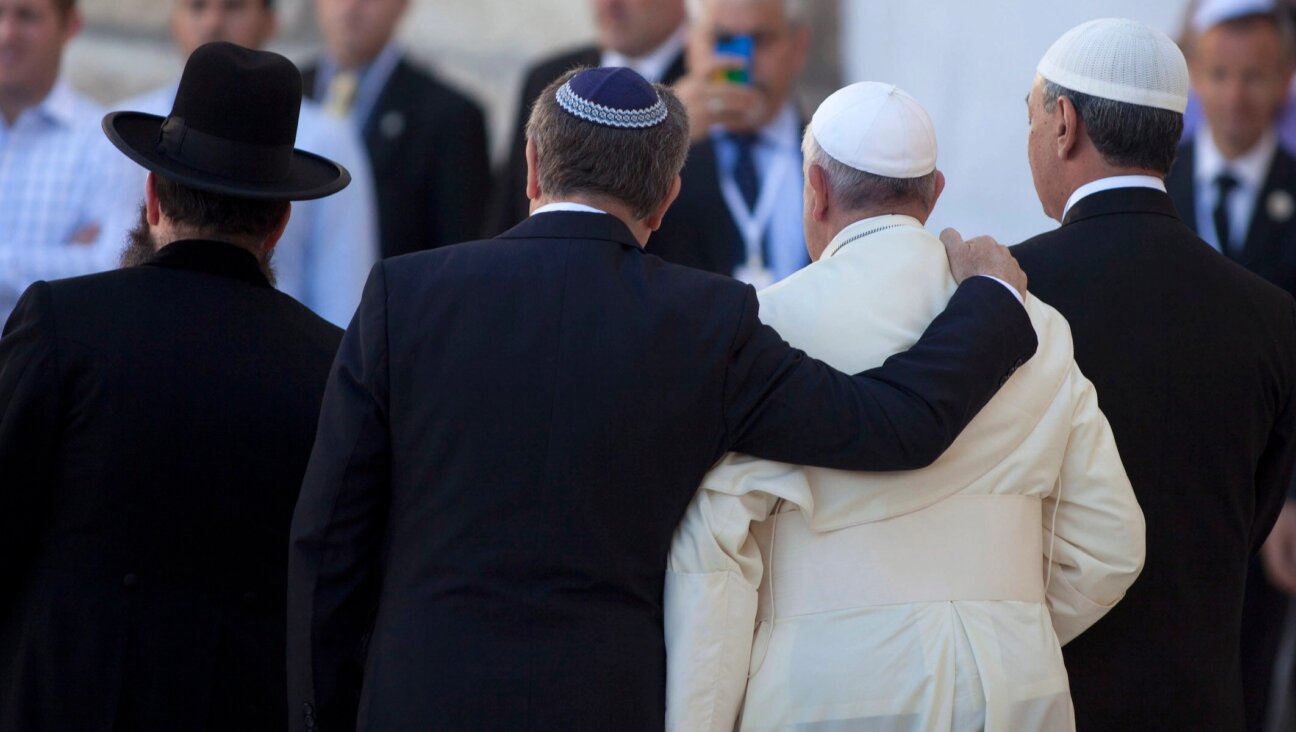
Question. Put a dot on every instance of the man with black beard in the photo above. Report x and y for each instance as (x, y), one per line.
(155, 424)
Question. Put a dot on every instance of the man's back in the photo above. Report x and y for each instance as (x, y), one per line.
(533, 414)
(1194, 360)
(895, 587)
(154, 426)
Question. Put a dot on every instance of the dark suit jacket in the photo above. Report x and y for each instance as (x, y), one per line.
(698, 230)
(511, 204)
(1270, 251)
(510, 434)
(1194, 360)
(155, 424)
(1270, 246)
(427, 145)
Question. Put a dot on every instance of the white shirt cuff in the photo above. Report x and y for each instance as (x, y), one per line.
(1011, 289)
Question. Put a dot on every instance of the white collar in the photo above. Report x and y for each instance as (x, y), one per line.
(1107, 184)
(652, 65)
(1250, 168)
(866, 227)
(567, 206)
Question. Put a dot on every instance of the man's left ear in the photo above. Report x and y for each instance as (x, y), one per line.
(1067, 126)
(939, 189)
(273, 238)
(817, 180)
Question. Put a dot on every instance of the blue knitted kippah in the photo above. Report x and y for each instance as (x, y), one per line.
(612, 97)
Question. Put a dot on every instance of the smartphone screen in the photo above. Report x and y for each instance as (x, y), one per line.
(742, 47)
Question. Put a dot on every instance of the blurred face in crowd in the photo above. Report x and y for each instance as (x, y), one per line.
(781, 46)
(32, 36)
(357, 30)
(249, 23)
(636, 27)
(1241, 72)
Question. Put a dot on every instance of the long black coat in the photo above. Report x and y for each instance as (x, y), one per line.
(155, 424)
(1194, 360)
(427, 146)
(511, 432)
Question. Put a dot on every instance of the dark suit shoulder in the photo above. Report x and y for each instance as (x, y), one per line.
(540, 74)
(418, 87)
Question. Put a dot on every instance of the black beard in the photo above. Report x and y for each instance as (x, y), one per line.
(141, 247)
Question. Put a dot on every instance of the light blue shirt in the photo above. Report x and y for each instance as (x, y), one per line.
(785, 234)
(60, 180)
(325, 254)
(1249, 170)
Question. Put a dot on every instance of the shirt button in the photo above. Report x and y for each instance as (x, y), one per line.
(130, 580)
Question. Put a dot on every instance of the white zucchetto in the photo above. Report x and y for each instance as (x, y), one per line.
(1121, 60)
(878, 129)
(1213, 12)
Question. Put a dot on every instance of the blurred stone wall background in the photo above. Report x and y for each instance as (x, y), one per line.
(481, 46)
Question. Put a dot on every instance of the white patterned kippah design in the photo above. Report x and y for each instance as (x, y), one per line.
(601, 114)
(1121, 60)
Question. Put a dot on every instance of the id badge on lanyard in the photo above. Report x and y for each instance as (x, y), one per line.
(752, 225)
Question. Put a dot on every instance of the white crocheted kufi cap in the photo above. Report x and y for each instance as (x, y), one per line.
(878, 129)
(1122, 60)
(1213, 12)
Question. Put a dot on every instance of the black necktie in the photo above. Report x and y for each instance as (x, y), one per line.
(1224, 185)
(744, 172)
(747, 178)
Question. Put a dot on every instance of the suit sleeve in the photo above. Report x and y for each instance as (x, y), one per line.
(1274, 475)
(337, 526)
(783, 405)
(461, 180)
(29, 424)
(710, 599)
(1094, 534)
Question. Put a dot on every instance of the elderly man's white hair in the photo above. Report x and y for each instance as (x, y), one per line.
(796, 11)
(857, 190)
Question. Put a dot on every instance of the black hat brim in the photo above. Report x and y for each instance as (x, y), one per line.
(310, 176)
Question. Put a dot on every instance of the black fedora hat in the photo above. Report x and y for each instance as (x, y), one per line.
(231, 130)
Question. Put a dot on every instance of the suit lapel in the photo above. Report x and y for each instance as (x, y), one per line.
(1271, 216)
(378, 129)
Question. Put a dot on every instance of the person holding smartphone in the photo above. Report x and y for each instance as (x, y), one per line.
(744, 59)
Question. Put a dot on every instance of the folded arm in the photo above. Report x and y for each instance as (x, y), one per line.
(1094, 534)
(710, 600)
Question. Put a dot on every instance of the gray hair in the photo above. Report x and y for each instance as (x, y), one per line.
(797, 12)
(634, 166)
(1126, 135)
(856, 190)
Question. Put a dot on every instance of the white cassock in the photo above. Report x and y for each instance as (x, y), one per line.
(938, 599)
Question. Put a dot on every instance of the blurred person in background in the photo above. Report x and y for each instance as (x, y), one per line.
(739, 209)
(1235, 185)
(426, 140)
(329, 246)
(645, 35)
(155, 423)
(65, 195)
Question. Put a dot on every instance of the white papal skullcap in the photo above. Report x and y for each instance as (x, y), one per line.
(1213, 12)
(1122, 60)
(878, 129)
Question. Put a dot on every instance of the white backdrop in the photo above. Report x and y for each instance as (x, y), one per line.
(970, 63)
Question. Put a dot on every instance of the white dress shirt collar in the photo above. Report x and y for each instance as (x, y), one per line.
(1107, 184)
(567, 206)
(866, 227)
(652, 65)
(1249, 168)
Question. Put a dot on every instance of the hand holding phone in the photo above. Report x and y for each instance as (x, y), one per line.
(740, 47)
